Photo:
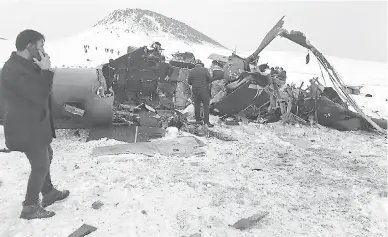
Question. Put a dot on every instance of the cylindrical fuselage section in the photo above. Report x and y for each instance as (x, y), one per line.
(78, 86)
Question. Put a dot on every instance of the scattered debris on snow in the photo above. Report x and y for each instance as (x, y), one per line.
(97, 205)
(83, 231)
(180, 146)
(246, 223)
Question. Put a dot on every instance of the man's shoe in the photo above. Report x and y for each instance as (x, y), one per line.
(54, 196)
(209, 125)
(35, 212)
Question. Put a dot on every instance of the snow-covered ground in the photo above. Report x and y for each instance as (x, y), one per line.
(312, 181)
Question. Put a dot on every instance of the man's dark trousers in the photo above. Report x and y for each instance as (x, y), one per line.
(201, 96)
(40, 178)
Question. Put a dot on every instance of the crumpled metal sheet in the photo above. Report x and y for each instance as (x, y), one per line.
(180, 146)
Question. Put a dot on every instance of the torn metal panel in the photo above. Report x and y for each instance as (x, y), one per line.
(130, 49)
(235, 67)
(337, 82)
(183, 90)
(246, 95)
(299, 38)
(83, 231)
(355, 90)
(74, 110)
(218, 57)
(181, 147)
(136, 76)
(129, 134)
(271, 35)
(183, 60)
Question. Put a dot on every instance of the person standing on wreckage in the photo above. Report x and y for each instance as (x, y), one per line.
(165, 84)
(26, 83)
(199, 78)
(108, 72)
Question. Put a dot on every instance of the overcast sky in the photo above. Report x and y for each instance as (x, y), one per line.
(353, 29)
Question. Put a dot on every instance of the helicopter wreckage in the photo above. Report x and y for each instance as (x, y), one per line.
(135, 97)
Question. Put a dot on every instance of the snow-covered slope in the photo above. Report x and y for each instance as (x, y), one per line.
(70, 52)
(123, 28)
(131, 27)
(152, 23)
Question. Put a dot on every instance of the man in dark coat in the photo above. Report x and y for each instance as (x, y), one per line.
(199, 78)
(108, 72)
(165, 69)
(217, 72)
(166, 85)
(26, 83)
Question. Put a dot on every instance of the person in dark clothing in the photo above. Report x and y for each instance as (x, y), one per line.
(165, 69)
(217, 72)
(108, 72)
(155, 51)
(157, 47)
(26, 82)
(199, 78)
(165, 84)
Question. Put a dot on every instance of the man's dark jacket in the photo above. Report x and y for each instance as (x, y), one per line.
(26, 91)
(165, 70)
(108, 73)
(200, 78)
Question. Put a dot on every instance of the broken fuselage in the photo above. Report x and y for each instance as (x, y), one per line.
(79, 97)
(76, 89)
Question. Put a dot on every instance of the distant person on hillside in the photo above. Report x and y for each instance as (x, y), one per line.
(199, 78)
(26, 83)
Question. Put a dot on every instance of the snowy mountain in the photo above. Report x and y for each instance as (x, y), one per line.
(131, 27)
(153, 24)
(123, 28)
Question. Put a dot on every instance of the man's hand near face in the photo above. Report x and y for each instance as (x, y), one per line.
(44, 63)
